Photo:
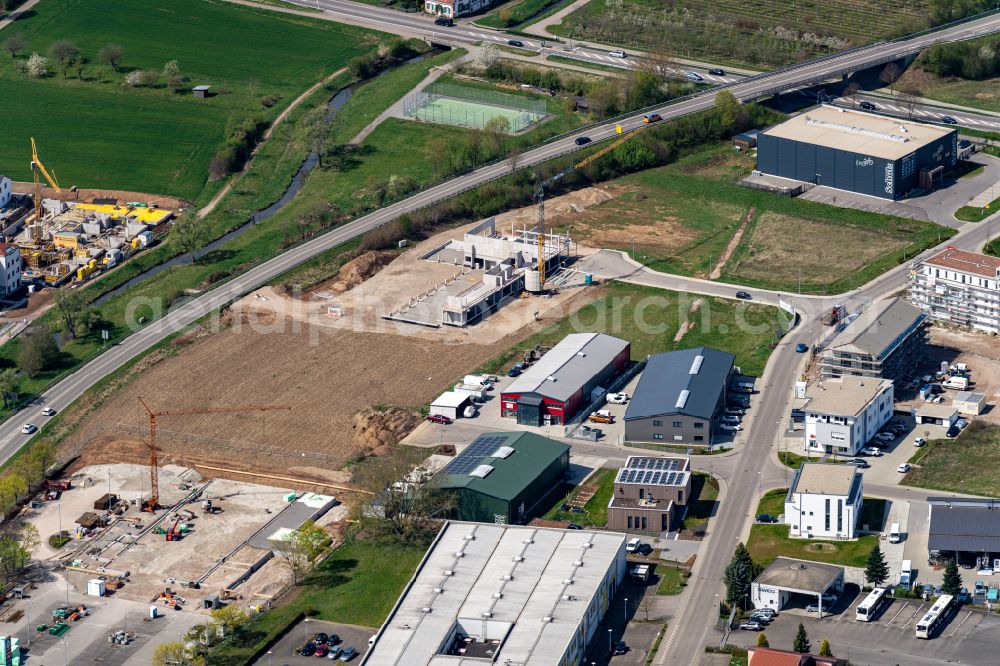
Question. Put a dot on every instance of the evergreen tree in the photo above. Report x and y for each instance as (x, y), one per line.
(877, 571)
(801, 643)
(952, 579)
(762, 640)
(824, 649)
(738, 576)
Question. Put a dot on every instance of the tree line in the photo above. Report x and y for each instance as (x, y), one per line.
(974, 60)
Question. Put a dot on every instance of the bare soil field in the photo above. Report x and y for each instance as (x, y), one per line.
(833, 250)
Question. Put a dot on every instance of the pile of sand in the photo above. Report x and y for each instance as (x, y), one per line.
(376, 430)
(359, 269)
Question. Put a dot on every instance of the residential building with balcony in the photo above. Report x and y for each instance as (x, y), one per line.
(958, 287)
(887, 340)
(649, 494)
(842, 415)
(824, 501)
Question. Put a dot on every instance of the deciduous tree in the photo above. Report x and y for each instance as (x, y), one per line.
(15, 44)
(824, 649)
(889, 75)
(111, 54)
(64, 52)
(10, 384)
(302, 547)
(36, 350)
(188, 233)
(231, 617)
(172, 75)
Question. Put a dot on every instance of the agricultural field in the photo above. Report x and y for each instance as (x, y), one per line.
(767, 33)
(691, 218)
(89, 123)
(966, 464)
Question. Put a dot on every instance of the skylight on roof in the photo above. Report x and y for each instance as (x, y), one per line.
(503, 452)
(682, 399)
(696, 364)
(482, 471)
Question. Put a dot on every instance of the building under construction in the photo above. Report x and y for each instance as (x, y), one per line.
(490, 267)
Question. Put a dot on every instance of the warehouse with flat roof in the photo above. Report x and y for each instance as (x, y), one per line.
(504, 595)
(501, 477)
(858, 151)
(566, 379)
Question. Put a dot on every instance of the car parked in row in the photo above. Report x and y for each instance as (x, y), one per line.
(766, 518)
(751, 625)
(618, 398)
(730, 427)
(872, 451)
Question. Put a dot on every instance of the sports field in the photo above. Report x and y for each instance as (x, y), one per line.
(96, 132)
(471, 114)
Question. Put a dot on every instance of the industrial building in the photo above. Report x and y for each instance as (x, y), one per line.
(502, 594)
(568, 378)
(786, 578)
(858, 152)
(680, 396)
(842, 415)
(887, 340)
(930, 413)
(491, 266)
(958, 287)
(966, 529)
(824, 501)
(502, 477)
(649, 494)
(450, 404)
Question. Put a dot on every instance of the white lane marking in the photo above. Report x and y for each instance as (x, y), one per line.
(970, 121)
(960, 624)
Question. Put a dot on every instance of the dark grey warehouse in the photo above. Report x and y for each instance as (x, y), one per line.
(858, 152)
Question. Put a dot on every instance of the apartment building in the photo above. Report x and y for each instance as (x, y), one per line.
(887, 340)
(824, 501)
(958, 287)
(648, 493)
(842, 415)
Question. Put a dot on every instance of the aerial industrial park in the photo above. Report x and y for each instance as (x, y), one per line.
(515, 332)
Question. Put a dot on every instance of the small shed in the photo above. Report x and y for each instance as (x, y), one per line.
(936, 414)
(968, 403)
(450, 404)
(105, 502)
(200, 92)
(746, 140)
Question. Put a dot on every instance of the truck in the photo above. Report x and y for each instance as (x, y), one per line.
(834, 315)
(894, 535)
(478, 380)
(906, 574)
(477, 391)
(956, 382)
(639, 573)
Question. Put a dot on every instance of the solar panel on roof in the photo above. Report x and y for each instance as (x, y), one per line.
(469, 459)
(660, 463)
(656, 478)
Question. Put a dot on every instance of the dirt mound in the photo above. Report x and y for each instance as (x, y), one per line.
(359, 269)
(375, 430)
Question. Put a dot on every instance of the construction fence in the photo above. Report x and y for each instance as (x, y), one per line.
(464, 106)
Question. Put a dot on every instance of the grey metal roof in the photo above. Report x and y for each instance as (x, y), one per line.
(799, 575)
(878, 330)
(964, 524)
(668, 374)
(569, 365)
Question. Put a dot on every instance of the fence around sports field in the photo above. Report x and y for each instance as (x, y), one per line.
(472, 107)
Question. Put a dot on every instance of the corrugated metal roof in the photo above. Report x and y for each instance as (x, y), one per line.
(569, 365)
(509, 476)
(877, 331)
(667, 376)
(964, 524)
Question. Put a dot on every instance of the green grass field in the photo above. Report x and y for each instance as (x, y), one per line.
(764, 32)
(673, 580)
(450, 111)
(95, 132)
(519, 13)
(650, 318)
(595, 511)
(704, 493)
(961, 465)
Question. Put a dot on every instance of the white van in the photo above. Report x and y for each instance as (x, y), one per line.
(894, 535)
(906, 574)
(633, 545)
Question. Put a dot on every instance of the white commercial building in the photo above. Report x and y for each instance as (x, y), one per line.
(824, 501)
(11, 266)
(842, 415)
(450, 404)
(503, 594)
(959, 287)
(785, 578)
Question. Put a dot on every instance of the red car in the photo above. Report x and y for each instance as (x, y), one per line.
(437, 418)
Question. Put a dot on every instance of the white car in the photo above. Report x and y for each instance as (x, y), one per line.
(731, 427)
(961, 423)
(919, 441)
(633, 545)
(618, 398)
(730, 418)
(28, 428)
(904, 468)
(618, 53)
(885, 437)
(48, 411)
(872, 451)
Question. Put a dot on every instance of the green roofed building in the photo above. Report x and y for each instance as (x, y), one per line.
(502, 477)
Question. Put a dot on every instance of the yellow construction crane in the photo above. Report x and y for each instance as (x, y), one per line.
(153, 502)
(36, 167)
(540, 192)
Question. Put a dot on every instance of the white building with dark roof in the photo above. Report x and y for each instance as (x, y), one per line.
(824, 501)
(501, 594)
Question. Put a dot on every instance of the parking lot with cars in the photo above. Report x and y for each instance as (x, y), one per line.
(332, 637)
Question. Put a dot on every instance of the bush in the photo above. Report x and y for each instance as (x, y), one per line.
(59, 540)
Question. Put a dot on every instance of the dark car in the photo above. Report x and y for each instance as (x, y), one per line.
(308, 650)
(953, 431)
(745, 295)
(444, 21)
(867, 106)
(948, 120)
(437, 418)
(574, 526)
(582, 140)
(620, 647)
(332, 639)
(802, 348)
(644, 549)
(515, 42)
(715, 71)
(514, 372)
(766, 518)
(858, 462)
(321, 639)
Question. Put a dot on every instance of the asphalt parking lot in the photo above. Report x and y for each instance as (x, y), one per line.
(284, 651)
(970, 637)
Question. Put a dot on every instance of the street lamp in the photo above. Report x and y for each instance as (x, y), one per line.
(610, 649)
(626, 610)
(269, 658)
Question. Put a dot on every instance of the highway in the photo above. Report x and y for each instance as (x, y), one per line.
(688, 632)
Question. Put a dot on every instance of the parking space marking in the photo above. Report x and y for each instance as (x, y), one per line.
(914, 616)
(960, 624)
(889, 623)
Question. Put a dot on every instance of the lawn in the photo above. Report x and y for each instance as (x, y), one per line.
(586, 63)
(650, 319)
(704, 495)
(672, 580)
(982, 94)
(681, 218)
(770, 541)
(595, 511)
(794, 460)
(977, 213)
(965, 464)
(520, 12)
(358, 584)
(764, 32)
(88, 128)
